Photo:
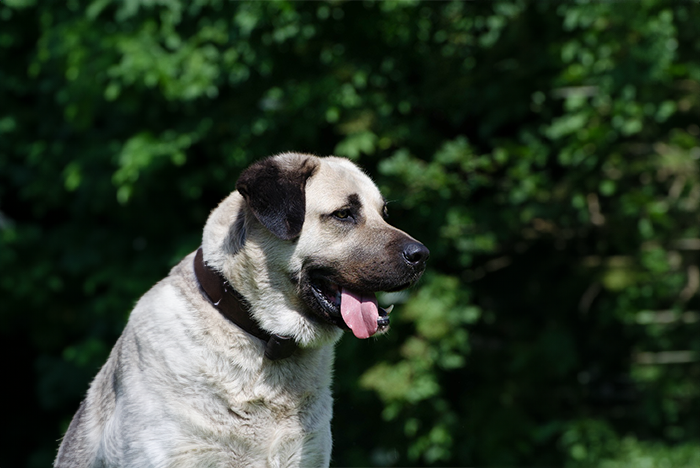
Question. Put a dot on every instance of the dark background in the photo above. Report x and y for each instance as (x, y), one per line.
(546, 152)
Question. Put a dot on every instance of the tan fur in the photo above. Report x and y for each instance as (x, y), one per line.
(185, 387)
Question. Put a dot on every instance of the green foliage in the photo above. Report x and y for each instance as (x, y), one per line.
(653, 455)
(546, 152)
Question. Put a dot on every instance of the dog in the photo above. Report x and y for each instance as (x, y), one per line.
(228, 360)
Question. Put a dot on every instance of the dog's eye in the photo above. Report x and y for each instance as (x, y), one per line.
(341, 214)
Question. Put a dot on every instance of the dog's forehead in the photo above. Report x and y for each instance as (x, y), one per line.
(337, 179)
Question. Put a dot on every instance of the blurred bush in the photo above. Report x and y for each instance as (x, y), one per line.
(546, 152)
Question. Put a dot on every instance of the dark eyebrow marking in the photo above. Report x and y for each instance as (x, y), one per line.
(354, 201)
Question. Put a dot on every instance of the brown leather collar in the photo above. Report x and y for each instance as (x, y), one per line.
(234, 307)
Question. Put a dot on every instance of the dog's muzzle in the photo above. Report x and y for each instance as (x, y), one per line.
(354, 306)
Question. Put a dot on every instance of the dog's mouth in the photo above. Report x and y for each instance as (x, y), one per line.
(349, 309)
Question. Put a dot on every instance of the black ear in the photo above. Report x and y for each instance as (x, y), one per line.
(275, 189)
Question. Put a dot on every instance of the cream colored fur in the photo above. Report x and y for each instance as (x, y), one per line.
(184, 387)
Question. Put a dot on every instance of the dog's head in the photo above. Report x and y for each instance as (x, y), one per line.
(321, 225)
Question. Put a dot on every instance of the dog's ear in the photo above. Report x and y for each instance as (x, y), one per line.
(275, 191)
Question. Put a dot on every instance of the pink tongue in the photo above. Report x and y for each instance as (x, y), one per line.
(359, 312)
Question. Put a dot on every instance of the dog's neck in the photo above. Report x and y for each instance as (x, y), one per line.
(233, 306)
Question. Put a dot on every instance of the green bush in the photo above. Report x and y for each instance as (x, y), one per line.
(654, 455)
(546, 152)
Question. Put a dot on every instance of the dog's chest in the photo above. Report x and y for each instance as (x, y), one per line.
(269, 398)
(262, 414)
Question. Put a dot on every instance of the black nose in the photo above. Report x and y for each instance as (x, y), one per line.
(416, 254)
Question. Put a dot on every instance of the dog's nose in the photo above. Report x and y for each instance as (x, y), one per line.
(416, 254)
